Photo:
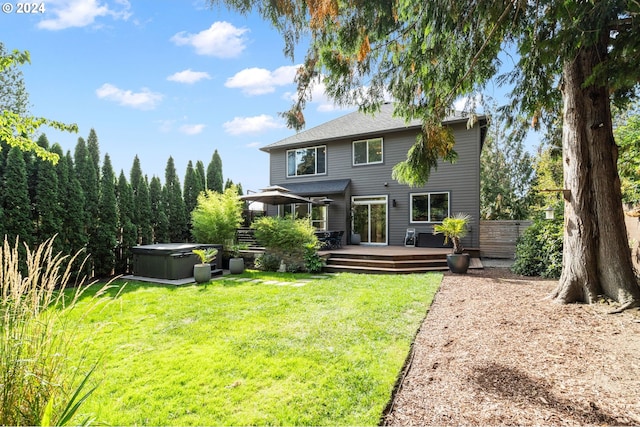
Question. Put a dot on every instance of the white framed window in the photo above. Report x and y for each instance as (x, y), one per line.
(316, 214)
(307, 161)
(367, 151)
(429, 207)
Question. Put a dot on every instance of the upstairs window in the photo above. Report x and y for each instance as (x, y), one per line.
(367, 152)
(307, 161)
(429, 207)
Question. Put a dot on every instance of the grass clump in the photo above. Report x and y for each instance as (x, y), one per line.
(274, 349)
(39, 383)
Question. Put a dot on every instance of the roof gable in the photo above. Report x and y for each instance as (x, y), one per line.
(355, 124)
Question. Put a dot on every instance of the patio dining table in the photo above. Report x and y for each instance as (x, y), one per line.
(330, 239)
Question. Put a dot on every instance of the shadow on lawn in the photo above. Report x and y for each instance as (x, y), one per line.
(514, 385)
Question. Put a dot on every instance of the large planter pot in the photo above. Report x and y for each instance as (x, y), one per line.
(236, 265)
(355, 238)
(458, 263)
(202, 273)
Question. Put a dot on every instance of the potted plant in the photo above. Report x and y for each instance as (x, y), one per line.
(455, 228)
(236, 262)
(202, 271)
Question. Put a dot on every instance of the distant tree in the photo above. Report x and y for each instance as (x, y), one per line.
(191, 188)
(214, 173)
(627, 133)
(107, 224)
(174, 204)
(127, 230)
(228, 184)
(548, 169)
(506, 177)
(48, 211)
(15, 199)
(159, 220)
(13, 94)
(16, 127)
(201, 175)
(240, 191)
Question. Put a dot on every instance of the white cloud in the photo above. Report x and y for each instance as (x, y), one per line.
(222, 40)
(320, 99)
(143, 100)
(259, 81)
(81, 13)
(252, 125)
(468, 103)
(188, 76)
(192, 129)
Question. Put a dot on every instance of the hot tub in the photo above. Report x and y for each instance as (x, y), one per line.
(171, 261)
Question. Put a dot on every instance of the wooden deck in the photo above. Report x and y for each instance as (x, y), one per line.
(390, 259)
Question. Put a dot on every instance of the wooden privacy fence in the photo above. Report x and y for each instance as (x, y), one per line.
(498, 238)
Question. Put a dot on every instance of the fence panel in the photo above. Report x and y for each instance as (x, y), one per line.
(498, 238)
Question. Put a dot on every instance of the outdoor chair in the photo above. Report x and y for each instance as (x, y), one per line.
(335, 239)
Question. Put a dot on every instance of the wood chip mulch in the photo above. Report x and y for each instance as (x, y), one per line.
(493, 351)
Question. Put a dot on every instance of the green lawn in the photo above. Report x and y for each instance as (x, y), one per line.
(322, 352)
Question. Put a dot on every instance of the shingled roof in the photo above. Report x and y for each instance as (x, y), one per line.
(353, 125)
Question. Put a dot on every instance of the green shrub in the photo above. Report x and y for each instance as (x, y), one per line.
(313, 263)
(267, 262)
(539, 250)
(287, 239)
(217, 216)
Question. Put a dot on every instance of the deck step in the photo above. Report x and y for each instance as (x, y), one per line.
(396, 263)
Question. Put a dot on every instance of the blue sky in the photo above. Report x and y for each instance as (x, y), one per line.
(160, 78)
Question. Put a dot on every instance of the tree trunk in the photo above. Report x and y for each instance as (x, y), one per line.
(596, 257)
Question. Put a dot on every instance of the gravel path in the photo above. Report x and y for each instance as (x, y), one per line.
(493, 351)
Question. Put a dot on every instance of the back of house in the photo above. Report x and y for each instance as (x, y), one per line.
(345, 167)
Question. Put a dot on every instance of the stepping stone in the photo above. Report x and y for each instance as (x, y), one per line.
(298, 284)
(320, 277)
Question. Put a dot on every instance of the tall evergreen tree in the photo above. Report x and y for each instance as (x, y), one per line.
(107, 224)
(214, 173)
(127, 231)
(159, 219)
(191, 189)
(15, 199)
(142, 211)
(48, 212)
(93, 147)
(135, 174)
(175, 208)
(201, 175)
(73, 216)
(86, 173)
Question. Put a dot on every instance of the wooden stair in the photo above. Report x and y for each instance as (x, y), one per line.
(384, 263)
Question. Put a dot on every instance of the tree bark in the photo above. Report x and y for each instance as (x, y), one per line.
(596, 256)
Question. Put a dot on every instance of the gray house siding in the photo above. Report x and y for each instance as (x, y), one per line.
(461, 180)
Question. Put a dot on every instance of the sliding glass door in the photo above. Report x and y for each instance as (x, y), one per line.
(370, 219)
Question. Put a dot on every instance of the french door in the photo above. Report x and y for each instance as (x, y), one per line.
(370, 219)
